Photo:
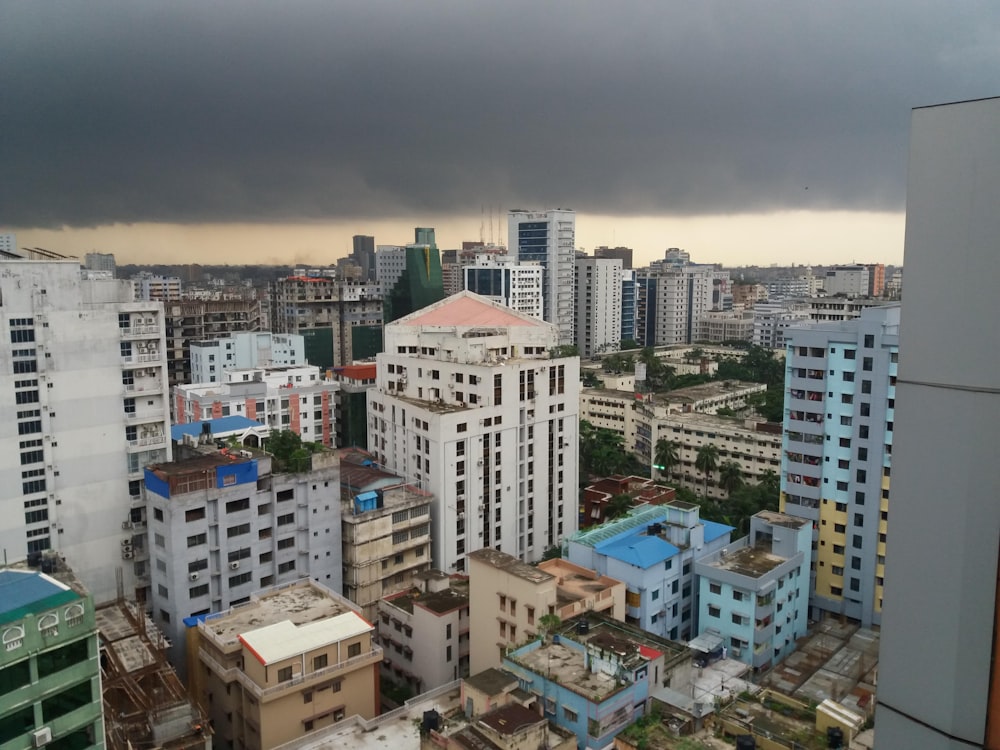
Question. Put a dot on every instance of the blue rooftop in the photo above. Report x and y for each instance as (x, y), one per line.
(714, 530)
(641, 551)
(221, 426)
(20, 590)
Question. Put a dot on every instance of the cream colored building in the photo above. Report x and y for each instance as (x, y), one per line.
(754, 444)
(507, 598)
(295, 658)
(610, 410)
(386, 540)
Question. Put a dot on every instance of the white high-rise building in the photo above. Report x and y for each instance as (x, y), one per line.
(209, 359)
(390, 262)
(8, 243)
(674, 295)
(469, 405)
(598, 305)
(503, 279)
(549, 237)
(83, 408)
(938, 680)
(851, 281)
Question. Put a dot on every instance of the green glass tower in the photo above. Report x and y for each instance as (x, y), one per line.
(420, 283)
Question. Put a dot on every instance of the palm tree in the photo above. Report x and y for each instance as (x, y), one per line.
(617, 506)
(730, 476)
(666, 457)
(707, 461)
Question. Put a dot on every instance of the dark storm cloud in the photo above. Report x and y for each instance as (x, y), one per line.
(291, 111)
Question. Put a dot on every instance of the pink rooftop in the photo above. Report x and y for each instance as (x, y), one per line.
(466, 311)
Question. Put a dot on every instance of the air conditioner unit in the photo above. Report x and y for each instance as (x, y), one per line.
(127, 549)
(126, 525)
(41, 737)
(234, 566)
(127, 542)
(193, 576)
(127, 555)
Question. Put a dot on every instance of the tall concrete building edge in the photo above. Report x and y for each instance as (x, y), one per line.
(937, 686)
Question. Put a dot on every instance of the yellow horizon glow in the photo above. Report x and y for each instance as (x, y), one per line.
(781, 238)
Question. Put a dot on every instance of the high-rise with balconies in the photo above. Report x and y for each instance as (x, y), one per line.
(840, 391)
(83, 408)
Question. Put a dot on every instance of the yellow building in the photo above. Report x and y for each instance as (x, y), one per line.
(295, 658)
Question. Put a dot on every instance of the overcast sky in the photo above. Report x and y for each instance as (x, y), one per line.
(298, 114)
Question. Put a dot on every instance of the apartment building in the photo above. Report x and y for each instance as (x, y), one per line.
(772, 320)
(203, 320)
(840, 395)
(351, 404)
(470, 405)
(597, 496)
(339, 319)
(84, 408)
(223, 523)
(598, 302)
(209, 359)
(752, 443)
(719, 326)
(549, 238)
(611, 410)
(754, 594)
(653, 550)
(298, 399)
(424, 632)
(49, 665)
(508, 598)
(386, 534)
(624, 254)
(674, 294)
(836, 309)
(149, 287)
(504, 279)
(850, 281)
(293, 659)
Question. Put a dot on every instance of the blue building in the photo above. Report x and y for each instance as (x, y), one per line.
(595, 678)
(754, 594)
(652, 550)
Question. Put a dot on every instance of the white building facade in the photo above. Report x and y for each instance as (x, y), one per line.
(283, 398)
(549, 238)
(83, 404)
(469, 405)
(598, 305)
(209, 359)
(504, 279)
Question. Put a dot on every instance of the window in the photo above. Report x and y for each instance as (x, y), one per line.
(234, 506)
(195, 514)
(286, 519)
(239, 580)
(284, 674)
(320, 662)
(237, 530)
(737, 596)
(197, 591)
(196, 539)
(286, 567)
(866, 386)
(867, 363)
(715, 588)
(856, 542)
(447, 653)
(714, 611)
(353, 650)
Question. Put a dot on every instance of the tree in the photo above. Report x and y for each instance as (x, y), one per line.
(730, 476)
(590, 379)
(564, 350)
(627, 344)
(618, 506)
(547, 623)
(707, 461)
(666, 456)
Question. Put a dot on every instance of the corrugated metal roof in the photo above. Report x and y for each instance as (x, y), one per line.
(221, 426)
(714, 530)
(25, 591)
(641, 551)
(284, 639)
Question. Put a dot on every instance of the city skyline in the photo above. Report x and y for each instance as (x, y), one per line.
(743, 133)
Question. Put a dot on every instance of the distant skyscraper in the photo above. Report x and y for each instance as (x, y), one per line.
(503, 279)
(939, 685)
(624, 254)
(420, 282)
(549, 237)
(8, 244)
(364, 255)
(674, 294)
(100, 262)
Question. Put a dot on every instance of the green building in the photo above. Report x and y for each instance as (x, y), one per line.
(50, 679)
(420, 284)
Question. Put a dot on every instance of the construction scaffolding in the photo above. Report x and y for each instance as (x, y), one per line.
(145, 704)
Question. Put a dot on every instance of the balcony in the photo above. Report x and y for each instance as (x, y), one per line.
(137, 359)
(138, 331)
(148, 440)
